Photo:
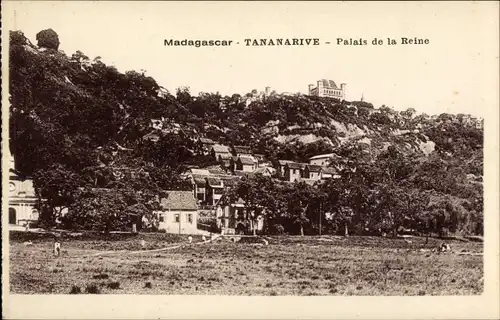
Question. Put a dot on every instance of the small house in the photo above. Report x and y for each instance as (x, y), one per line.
(199, 183)
(206, 144)
(220, 152)
(294, 171)
(244, 163)
(281, 167)
(214, 190)
(179, 213)
(312, 171)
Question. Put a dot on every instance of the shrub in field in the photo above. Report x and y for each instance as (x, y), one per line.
(101, 276)
(148, 285)
(75, 290)
(114, 285)
(92, 289)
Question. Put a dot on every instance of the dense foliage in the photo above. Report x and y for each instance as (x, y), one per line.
(78, 126)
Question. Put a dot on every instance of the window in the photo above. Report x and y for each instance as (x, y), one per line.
(161, 218)
(190, 218)
(177, 218)
(12, 216)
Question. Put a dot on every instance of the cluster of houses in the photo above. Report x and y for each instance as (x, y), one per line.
(180, 209)
(210, 185)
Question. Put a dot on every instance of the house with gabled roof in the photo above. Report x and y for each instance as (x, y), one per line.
(312, 171)
(281, 167)
(244, 163)
(294, 171)
(220, 152)
(178, 213)
(206, 144)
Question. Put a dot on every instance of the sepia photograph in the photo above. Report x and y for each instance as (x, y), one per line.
(250, 149)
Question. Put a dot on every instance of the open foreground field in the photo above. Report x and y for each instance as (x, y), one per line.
(287, 266)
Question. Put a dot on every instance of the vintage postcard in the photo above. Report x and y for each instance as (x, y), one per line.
(244, 160)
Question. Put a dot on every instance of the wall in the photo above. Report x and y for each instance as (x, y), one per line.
(171, 226)
(292, 174)
(313, 175)
(247, 168)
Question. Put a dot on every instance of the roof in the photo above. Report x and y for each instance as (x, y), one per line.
(242, 149)
(220, 148)
(313, 168)
(284, 162)
(295, 165)
(207, 141)
(216, 171)
(179, 200)
(321, 156)
(199, 180)
(328, 170)
(230, 181)
(214, 182)
(200, 171)
(247, 160)
(329, 84)
(263, 170)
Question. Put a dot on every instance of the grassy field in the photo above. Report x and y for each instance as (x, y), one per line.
(287, 266)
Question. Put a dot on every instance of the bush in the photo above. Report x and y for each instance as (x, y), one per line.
(92, 289)
(277, 229)
(114, 285)
(75, 290)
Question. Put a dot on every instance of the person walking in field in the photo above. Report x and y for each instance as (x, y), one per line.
(57, 248)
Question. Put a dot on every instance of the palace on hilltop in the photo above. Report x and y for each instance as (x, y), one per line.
(328, 88)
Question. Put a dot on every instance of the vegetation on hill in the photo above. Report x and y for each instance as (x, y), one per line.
(78, 126)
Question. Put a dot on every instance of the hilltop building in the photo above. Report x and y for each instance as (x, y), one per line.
(328, 88)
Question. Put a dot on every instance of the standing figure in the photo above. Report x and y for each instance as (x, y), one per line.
(57, 248)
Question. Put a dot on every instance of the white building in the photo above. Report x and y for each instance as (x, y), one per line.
(21, 197)
(328, 88)
(179, 213)
(322, 159)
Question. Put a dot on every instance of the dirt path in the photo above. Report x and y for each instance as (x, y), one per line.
(156, 250)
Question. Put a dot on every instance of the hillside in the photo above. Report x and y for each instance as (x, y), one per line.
(80, 118)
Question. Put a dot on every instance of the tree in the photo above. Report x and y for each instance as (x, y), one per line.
(48, 38)
(55, 188)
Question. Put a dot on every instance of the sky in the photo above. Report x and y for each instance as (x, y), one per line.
(457, 72)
